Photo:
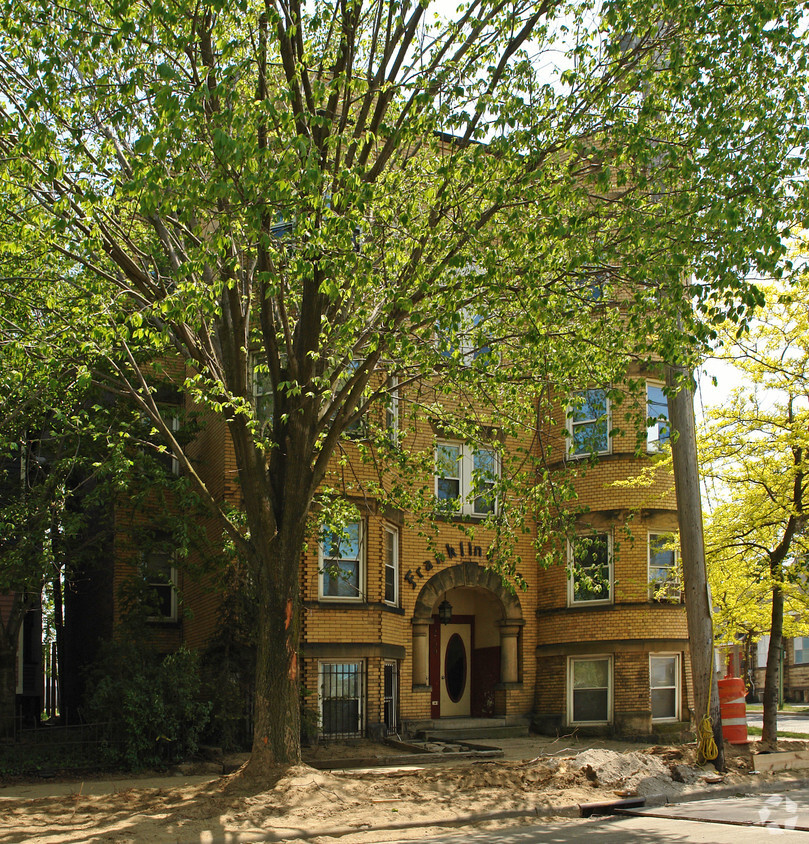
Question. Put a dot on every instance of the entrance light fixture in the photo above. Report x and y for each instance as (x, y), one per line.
(445, 612)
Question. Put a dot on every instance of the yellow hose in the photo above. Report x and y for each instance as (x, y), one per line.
(707, 750)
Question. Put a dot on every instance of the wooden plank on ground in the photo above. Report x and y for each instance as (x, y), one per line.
(786, 760)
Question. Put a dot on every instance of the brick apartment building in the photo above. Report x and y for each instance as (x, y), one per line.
(404, 629)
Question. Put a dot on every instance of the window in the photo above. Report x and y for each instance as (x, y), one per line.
(391, 539)
(664, 574)
(467, 335)
(465, 479)
(392, 411)
(590, 569)
(341, 698)
(162, 452)
(262, 389)
(341, 569)
(801, 644)
(357, 429)
(590, 690)
(160, 575)
(657, 418)
(391, 696)
(588, 423)
(664, 685)
(589, 286)
(154, 443)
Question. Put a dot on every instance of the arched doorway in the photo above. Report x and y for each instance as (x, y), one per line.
(474, 649)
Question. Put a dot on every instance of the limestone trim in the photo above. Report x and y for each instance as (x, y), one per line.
(611, 646)
(466, 574)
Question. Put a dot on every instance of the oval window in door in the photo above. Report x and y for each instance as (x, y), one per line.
(455, 668)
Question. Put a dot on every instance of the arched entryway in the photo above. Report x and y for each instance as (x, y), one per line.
(472, 652)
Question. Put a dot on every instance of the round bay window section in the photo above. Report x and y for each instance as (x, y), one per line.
(455, 668)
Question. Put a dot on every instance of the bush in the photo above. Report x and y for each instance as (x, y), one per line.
(152, 705)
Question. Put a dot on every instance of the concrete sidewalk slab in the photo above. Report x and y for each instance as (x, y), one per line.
(785, 809)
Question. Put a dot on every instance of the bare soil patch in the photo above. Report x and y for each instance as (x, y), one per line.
(549, 778)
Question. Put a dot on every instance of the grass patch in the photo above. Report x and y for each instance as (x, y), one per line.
(756, 731)
(791, 708)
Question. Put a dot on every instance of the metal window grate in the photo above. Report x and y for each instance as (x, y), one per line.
(342, 706)
(391, 697)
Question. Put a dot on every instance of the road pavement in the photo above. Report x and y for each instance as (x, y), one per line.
(788, 722)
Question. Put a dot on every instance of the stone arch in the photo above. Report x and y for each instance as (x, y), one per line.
(466, 574)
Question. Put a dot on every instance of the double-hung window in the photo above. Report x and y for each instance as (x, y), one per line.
(342, 576)
(165, 456)
(801, 645)
(392, 410)
(590, 690)
(357, 429)
(588, 423)
(160, 576)
(466, 478)
(664, 686)
(664, 576)
(658, 432)
(590, 569)
(262, 389)
(390, 536)
(466, 335)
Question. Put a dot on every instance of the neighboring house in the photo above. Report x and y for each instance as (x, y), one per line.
(399, 632)
(795, 668)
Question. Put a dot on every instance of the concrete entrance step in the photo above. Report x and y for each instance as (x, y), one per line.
(466, 729)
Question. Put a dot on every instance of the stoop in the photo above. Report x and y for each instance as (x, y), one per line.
(467, 729)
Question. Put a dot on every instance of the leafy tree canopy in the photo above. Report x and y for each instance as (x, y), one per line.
(755, 452)
(325, 196)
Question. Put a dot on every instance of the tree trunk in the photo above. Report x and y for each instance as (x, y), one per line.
(769, 730)
(58, 626)
(276, 714)
(695, 578)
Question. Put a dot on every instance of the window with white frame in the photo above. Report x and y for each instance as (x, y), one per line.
(589, 689)
(390, 536)
(341, 563)
(170, 414)
(160, 576)
(664, 568)
(465, 478)
(341, 686)
(467, 335)
(664, 686)
(262, 389)
(155, 442)
(801, 645)
(357, 428)
(657, 417)
(392, 410)
(590, 569)
(588, 423)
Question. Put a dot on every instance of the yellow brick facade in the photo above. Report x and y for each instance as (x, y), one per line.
(523, 652)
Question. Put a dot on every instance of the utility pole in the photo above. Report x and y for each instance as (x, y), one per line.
(692, 548)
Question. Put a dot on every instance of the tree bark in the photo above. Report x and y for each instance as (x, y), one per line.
(276, 729)
(769, 730)
(692, 545)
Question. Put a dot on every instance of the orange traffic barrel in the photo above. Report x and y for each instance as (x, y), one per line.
(733, 710)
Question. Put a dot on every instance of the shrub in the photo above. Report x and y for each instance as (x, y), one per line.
(151, 705)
